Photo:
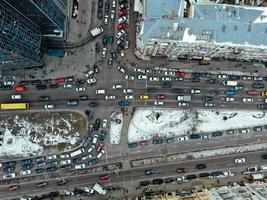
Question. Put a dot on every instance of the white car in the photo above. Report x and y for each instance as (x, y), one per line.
(258, 78)
(229, 99)
(240, 160)
(64, 156)
(120, 34)
(10, 175)
(65, 162)
(154, 78)
(106, 19)
(222, 76)
(79, 166)
(166, 78)
(88, 190)
(91, 148)
(80, 89)
(52, 157)
(140, 70)
(87, 157)
(129, 97)
(209, 104)
(16, 96)
(247, 100)
(68, 193)
(247, 78)
(89, 73)
(183, 104)
(100, 154)
(169, 73)
(128, 91)
(113, 4)
(110, 97)
(195, 91)
(10, 82)
(128, 77)
(112, 14)
(159, 103)
(121, 69)
(104, 123)
(142, 77)
(116, 86)
(182, 138)
(25, 172)
(121, 20)
(49, 106)
(91, 80)
(104, 52)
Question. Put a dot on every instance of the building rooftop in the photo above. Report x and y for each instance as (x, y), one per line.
(232, 25)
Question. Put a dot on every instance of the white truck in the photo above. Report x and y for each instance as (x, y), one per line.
(99, 189)
(230, 83)
(257, 176)
(184, 98)
(96, 31)
(77, 152)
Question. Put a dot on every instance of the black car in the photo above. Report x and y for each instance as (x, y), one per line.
(41, 87)
(113, 55)
(100, 14)
(157, 181)
(205, 174)
(176, 90)
(100, 4)
(36, 82)
(234, 77)
(88, 114)
(44, 98)
(217, 134)
(79, 82)
(264, 156)
(48, 81)
(166, 85)
(144, 183)
(97, 47)
(195, 80)
(83, 97)
(39, 170)
(191, 176)
(123, 103)
(201, 166)
(24, 83)
(6, 87)
(51, 169)
(106, 7)
(53, 86)
(105, 40)
(61, 182)
(78, 191)
(212, 81)
(54, 194)
(97, 124)
(151, 90)
(93, 104)
(196, 74)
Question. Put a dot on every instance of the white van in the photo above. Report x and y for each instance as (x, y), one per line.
(263, 167)
(116, 86)
(101, 91)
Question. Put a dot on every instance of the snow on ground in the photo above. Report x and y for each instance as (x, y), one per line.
(116, 123)
(26, 135)
(149, 123)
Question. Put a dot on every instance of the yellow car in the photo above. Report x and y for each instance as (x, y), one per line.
(144, 97)
(122, 53)
(264, 93)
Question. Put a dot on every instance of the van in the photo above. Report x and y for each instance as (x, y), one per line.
(114, 87)
(101, 91)
(263, 167)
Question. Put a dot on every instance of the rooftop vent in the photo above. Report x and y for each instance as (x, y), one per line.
(235, 27)
(249, 26)
(224, 28)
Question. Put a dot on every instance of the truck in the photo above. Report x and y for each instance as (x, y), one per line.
(55, 52)
(99, 189)
(96, 31)
(257, 176)
(230, 83)
(184, 98)
(77, 152)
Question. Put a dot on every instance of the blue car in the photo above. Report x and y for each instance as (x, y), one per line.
(258, 85)
(230, 92)
(92, 162)
(124, 103)
(132, 145)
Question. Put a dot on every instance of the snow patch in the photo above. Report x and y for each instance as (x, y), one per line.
(116, 123)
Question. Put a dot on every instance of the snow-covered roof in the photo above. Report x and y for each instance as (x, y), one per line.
(229, 24)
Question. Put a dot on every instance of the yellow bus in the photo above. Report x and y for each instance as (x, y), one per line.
(14, 106)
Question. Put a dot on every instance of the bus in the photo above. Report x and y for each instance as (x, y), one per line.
(14, 106)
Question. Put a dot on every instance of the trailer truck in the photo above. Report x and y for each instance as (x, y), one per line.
(184, 98)
(96, 31)
(99, 189)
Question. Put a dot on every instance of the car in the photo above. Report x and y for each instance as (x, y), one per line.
(230, 92)
(68, 193)
(104, 178)
(65, 162)
(20, 88)
(24, 82)
(247, 100)
(91, 80)
(121, 69)
(143, 143)
(144, 97)
(121, 20)
(68, 85)
(201, 166)
(195, 91)
(110, 97)
(120, 34)
(104, 123)
(212, 81)
(183, 104)
(89, 190)
(93, 104)
(9, 176)
(91, 148)
(99, 147)
(253, 92)
(159, 103)
(13, 187)
(106, 19)
(129, 97)
(6, 87)
(100, 154)
(113, 55)
(25, 172)
(209, 104)
(104, 52)
(105, 40)
(258, 85)
(264, 156)
(181, 170)
(207, 99)
(123, 103)
(258, 129)
(9, 82)
(161, 96)
(216, 134)
(239, 87)
(229, 99)
(166, 85)
(154, 78)
(128, 91)
(166, 78)
(16, 96)
(244, 130)
(239, 160)
(112, 14)
(116, 86)
(132, 145)
(110, 62)
(80, 89)
(128, 77)
(122, 12)
(83, 97)
(51, 157)
(126, 44)
(42, 184)
(103, 134)
(53, 86)
(142, 77)
(106, 6)
(87, 157)
(96, 128)
(44, 98)
(149, 171)
(169, 73)
(121, 26)
(258, 78)
(222, 76)
(72, 103)
(247, 78)
(49, 106)
(79, 166)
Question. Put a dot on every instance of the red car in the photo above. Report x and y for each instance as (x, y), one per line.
(104, 177)
(20, 88)
(121, 26)
(99, 147)
(180, 74)
(181, 170)
(161, 96)
(60, 80)
(13, 187)
(143, 143)
(254, 92)
(122, 12)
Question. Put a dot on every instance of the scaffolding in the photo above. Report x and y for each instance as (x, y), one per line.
(20, 40)
(48, 14)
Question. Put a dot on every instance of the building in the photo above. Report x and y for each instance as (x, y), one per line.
(49, 15)
(20, 39)
(183, 29)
